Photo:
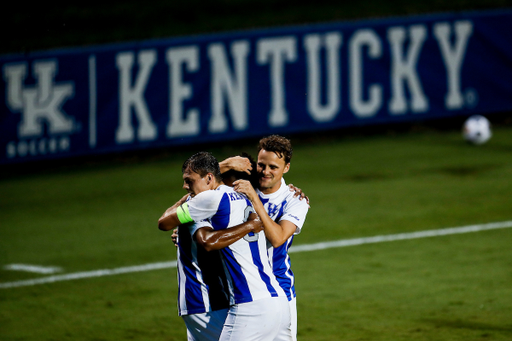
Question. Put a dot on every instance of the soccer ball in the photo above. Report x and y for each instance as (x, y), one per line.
(477, 129)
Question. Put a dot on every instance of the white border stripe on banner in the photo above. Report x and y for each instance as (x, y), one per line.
(92, 101)
(299, 248)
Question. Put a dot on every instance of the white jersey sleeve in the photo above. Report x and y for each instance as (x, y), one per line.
(204, 205)
(295, 212)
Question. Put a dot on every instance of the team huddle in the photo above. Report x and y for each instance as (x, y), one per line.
(233, 230)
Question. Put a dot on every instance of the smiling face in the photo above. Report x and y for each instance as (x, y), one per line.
(193, 183)
(271, 168)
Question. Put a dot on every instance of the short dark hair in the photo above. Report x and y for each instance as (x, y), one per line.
(203, 163)
(252, 178)
(277, 144)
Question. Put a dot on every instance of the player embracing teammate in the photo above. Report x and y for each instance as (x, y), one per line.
(241, 272)
(280, 210)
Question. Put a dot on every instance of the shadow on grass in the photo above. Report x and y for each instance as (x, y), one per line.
(460, 324)
(365, 177)
(454, 171)
(466, 170)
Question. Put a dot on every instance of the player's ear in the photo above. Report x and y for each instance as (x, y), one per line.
(286, 168)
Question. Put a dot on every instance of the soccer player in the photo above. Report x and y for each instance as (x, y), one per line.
(203, 300)
(280, 210)
(258, 305)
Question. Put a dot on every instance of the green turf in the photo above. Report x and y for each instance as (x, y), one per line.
(88, 217)
(449, 288)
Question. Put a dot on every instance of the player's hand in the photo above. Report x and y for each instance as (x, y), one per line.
(237, 163)
(258, 226)
(174, 237)
(245, 187)
(299, 193)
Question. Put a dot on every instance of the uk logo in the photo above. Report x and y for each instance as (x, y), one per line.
(40, 105)
(274, 211)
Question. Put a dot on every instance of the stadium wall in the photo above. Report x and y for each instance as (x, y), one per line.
(211, 88)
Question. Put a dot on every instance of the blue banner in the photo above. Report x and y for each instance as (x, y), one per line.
(224, 87)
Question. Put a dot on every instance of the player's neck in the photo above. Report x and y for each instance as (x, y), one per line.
(273, 189)
(216, 185)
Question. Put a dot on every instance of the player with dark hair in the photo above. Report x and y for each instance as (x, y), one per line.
(203, 163)
(231, 175)
(280, 210)
(203, 299)
(258, 305)
(279, 145)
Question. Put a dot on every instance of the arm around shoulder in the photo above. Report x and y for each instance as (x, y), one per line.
(170, 220)
(236, 163)
(211, 239)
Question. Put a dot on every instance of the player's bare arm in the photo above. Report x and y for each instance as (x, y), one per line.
(276, 233)
(236, 163)
(211, 239)
(169, 220)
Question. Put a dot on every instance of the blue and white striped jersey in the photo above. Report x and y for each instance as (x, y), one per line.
(247, 267)
(201, 283)
(282, 205)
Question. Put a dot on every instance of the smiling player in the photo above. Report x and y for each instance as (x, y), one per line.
(258, 305)
(280, 210)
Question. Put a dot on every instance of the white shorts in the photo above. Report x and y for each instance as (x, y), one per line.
(293, 315)
(264, 319)
(205, 326)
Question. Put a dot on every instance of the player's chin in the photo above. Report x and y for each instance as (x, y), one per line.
(265, 182)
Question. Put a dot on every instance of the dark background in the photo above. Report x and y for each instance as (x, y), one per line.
(30, 26)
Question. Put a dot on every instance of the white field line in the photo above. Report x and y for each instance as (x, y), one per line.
(89, 274)
(299, 248)
(45, 270)
(400, 236)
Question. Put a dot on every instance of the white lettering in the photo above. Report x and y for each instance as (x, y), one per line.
(453, 58)
(39, 104)
(360, 107)
(180, 91)
(134, 97)
(11, 150)
(332, 43)
(14, 75)
(37, 147)
(404, 69)
(276, 51)
(50, 110)
(225, 84)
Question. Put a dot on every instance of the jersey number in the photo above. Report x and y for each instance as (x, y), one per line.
(247, 237)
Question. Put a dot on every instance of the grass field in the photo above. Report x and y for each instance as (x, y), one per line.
(103, 215)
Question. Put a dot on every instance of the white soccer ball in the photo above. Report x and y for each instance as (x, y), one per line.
(477, 129)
